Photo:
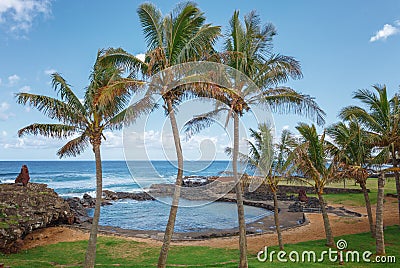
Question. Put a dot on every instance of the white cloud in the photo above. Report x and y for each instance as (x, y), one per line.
(25, 89)
(4, 115)
(33, 142)
(113, 140)
(0, 81)
(285, 127)
(141, 56)
(4, 133)
(49, 71)
(18, 15)
(13, 79)
(386, 31)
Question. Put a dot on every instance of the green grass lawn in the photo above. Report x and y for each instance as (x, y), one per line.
(348, 199)
(114, 252)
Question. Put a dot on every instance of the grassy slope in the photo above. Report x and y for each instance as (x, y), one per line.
(116, 251)
(355, 199)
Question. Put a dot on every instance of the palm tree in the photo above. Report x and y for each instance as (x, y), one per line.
(380, 237)
(248, 50)
(105, 107)
(179, 37)
(381, 121)
(351, 147)
(310, 160)
(269, 159)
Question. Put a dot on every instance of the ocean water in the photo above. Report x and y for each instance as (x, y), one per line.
(74, 178)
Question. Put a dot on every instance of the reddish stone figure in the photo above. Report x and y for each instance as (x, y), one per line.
(23, 176)
(303, 196)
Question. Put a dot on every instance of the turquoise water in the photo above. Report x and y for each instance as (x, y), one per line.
(192, 217)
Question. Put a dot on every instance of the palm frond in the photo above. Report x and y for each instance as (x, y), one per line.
(66, 93)
(74, 147)
(285, 100)
(277, 69)
(200, 122)
(48, 130)
(129, 115)
(122, 59)
(121, 88)
(51, 107)
(151, 20)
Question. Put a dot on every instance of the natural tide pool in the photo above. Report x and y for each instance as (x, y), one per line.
(192, 215)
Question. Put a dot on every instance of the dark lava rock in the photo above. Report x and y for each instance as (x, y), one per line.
(80, 206)
(312, 205)
(79, 211)
(142, 196)
(24, 209)
(296, 207)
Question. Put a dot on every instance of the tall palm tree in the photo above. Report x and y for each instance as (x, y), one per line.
(351, 147)
(178, 37)
(381, 120)
(105, 107)
(269, 159)
(310, 160)
(248, 49)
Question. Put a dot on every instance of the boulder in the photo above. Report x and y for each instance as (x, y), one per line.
(24, 209)
(79, 211)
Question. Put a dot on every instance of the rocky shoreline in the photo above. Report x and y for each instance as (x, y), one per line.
(26, 208)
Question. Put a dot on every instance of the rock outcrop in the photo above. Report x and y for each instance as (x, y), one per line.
(80, 206)
(26, 208)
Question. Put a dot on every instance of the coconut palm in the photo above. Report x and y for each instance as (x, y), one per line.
(381, 120)
(351, 147)
(248, 49)
(309, 159)
(269, 159)
(105, 107)
(179, 37)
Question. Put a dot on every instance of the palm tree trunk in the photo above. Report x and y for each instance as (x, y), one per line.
(380, 238)
(239, 196)
(276, 217)
(328, 231)
(368, 206)
(90, 257)
(397, 178)
(169, 230)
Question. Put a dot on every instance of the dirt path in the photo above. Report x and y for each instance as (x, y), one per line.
(312, 231)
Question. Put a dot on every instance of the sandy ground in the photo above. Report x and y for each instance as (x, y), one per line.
(314, 230)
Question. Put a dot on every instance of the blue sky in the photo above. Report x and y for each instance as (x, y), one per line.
(342, 46)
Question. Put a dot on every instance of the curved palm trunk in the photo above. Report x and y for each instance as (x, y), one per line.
(90, 257)
(276, 218)
(380, 238)
(328, 231)
(169, 230)
(368, 206)
(239, 195)
(397, 178)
